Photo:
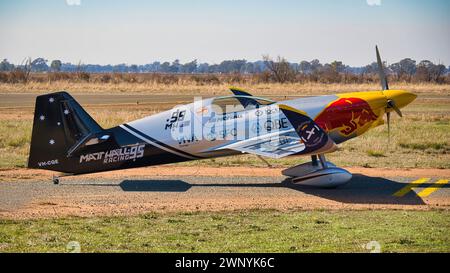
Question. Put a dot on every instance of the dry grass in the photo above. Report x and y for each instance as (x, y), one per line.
(237, 231)
(191, 88)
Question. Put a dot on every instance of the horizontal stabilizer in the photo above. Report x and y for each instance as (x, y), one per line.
(243, 97)
(239, 92)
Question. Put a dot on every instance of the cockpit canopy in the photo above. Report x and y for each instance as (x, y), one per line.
(229, 104)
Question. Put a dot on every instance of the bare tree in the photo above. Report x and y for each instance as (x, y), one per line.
(280, 69)
(430, 72)
(21, 73)
(405, 68)
(81, 74)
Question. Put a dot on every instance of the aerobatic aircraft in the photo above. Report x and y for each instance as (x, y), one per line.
(67, 140)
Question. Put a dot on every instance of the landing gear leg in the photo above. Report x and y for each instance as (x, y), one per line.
(314, 161)
(323, 161)
(265, 161)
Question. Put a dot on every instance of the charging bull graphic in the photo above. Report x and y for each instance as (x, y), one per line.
(347, 114)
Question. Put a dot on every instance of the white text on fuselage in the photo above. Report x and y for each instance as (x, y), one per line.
(116, 155)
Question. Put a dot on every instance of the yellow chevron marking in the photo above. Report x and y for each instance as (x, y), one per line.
(285, 107)
(410, 186)
(437, 185)
(237, 88)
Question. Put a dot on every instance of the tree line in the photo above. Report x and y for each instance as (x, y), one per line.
(267, 70)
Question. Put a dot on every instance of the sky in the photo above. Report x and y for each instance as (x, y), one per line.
(139, 31)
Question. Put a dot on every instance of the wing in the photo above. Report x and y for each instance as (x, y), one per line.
(305, 138)
(275, 145)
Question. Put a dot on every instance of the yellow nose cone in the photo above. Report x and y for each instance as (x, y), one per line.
(401, 97)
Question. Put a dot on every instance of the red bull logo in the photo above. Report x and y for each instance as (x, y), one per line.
(347, 114)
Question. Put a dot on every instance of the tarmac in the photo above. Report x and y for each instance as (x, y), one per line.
(29, 194)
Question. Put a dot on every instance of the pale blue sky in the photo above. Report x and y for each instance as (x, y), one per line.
(134, 31)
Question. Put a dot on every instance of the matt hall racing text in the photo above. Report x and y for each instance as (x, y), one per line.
(117, 155)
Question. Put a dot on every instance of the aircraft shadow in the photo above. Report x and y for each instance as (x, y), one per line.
(360, 190)
(155, 185)
(168, 185)
(363, 189)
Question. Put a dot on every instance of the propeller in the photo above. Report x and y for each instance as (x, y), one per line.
(388, 118)
(390, 104)
(383, 78)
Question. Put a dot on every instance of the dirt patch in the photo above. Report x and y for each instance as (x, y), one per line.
(124, 207)
(18, 174)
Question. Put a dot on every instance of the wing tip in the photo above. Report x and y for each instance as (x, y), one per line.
(234, 88)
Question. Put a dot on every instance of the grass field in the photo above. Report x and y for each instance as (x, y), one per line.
(239, 231)
(190, 88)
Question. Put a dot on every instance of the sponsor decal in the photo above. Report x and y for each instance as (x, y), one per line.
(202, 111)
(211, 136)
(176, 120)
(117, 155)
(267, 111)
(279, 141)
(185, 141)
(221, 134)
(269, 125)
(347, 115)
(236, 125)
(225, 117)
(276, 124)
(48, 163)
(311, 135)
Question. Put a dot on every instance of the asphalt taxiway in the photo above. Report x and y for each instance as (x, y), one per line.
(126, 194)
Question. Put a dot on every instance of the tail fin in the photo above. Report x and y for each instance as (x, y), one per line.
(60, 125)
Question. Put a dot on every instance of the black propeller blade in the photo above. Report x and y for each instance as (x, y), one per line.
(391, 105)
(388, 117)
(385, 86)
